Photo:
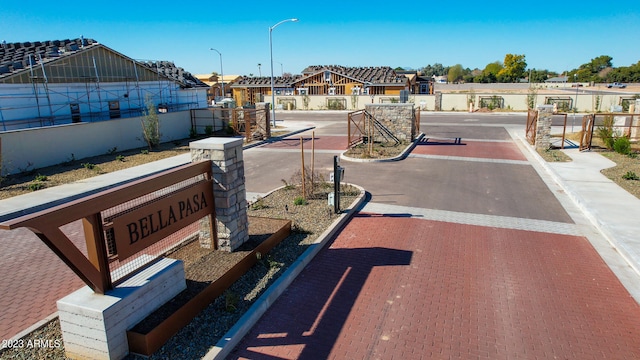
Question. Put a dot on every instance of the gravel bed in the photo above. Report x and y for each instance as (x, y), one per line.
(195, 340)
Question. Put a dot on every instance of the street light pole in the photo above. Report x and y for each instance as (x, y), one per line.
(273, 95)
(281, 68)
(221, 73)
(575, 107)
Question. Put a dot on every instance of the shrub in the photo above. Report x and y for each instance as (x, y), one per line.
(299, 200)
(630, 175)
(193, 133)
(208, 130)
(622, 145)
(151, 125)
(36, 185)
(89, 166)
(605, 132)
(120, 157)
(41, 178)
(258, 204)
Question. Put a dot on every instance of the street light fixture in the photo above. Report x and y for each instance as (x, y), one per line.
(221, 73)
(281, 68)
(273, 95)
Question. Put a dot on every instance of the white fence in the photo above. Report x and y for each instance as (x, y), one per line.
(39, 147)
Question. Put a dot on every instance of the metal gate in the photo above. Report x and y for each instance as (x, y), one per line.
(588, 122)
(532, 122)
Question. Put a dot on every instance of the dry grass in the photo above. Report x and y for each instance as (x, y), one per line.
(79, 169)
(622, 173)
(380, 150)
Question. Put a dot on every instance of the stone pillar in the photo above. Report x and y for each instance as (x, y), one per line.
(398, 118)
(229, 191)
(263, 119)
(543, 127)
(438, 106)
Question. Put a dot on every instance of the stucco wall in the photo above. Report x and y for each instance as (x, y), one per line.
(39, 147)
(586, 101)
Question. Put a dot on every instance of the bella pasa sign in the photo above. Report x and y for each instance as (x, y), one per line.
(137, 230)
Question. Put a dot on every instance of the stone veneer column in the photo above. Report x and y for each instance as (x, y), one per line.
(398, 118)
(229, 191)
(263, 119)
(543, 127)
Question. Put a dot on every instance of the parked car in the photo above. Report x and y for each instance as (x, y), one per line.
(616, 85)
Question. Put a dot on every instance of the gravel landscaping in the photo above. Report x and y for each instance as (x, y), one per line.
(203, 266)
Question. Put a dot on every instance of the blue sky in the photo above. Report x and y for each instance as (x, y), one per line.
(558, 35)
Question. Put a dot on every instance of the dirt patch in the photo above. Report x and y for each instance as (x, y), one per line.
(380, 150)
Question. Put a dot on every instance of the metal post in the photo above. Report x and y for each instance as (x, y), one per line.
(221, 73)
(336, 185)
(273, 95)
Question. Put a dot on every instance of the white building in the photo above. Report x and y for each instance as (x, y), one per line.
(65, 81)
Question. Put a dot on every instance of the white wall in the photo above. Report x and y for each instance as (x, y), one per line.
(586, 101)
(40, 147)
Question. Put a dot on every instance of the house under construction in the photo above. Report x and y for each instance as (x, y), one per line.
(326, 81)
(68, 81)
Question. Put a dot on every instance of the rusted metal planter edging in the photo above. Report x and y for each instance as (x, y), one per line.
(231, 339)
(147, 344)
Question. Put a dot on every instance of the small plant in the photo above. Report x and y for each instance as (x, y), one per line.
(112, 151)
(305, 101)
(258, 204)
(193, 133)
(633, 155)
(208, 130)
(630, 175)
(622, 145)
(299, 200)
(40, 177)
(532, 96)
(287, 186)
(231, 300)
(120, 158)
(229, 129)
(89, 166)
(36, 185)
(144, 152)
(605, 132)
(151, 125)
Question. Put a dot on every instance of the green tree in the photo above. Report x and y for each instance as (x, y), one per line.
(593, 70)
(538, 76)
(514, 68)
(434, 70)
(625, 74)
(455, 74)
(489, 74)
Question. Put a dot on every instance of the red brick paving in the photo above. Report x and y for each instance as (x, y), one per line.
(33, 278)
(321, 143)
(475, 149)
(402, 288)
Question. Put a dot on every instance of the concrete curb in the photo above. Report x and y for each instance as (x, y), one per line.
(277, 138)
(233, 337)
(402, 156)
